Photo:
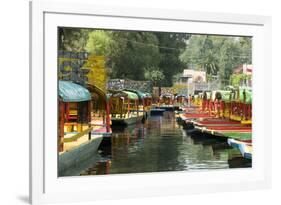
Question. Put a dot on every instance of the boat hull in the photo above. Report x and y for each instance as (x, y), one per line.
(157, 111)
(77, 159)
(126, 121)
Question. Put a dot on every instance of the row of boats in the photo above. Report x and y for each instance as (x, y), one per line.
(224, 114)
(87, 109)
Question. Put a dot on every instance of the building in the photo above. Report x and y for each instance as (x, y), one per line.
(245, 69)
(192, 76)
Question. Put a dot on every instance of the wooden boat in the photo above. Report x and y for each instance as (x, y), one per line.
(166, 102)
(126, 121)
(157, 111)
(76, 142)
(236, 143)
(244, 147)
(219, 131)
(179, 102)
(166, 107)
(144, 101)
(124, 108)
(74, 112)
(216, 122)
(246, 151)
(100, 115)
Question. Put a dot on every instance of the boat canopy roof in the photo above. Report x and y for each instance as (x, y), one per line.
(245, 94)
(131, 95)
(167, 95)
(141, 95)
(124, 94)
(98, 96)
(72, 92)
(181, 95)
(224, 95)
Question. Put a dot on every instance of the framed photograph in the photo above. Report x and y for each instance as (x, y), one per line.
(130, 102)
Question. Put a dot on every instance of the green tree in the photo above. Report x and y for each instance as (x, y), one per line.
(171, 46)
(131, 53)
(154, 75)
(217, 55)
(98, 42)
(72, 39)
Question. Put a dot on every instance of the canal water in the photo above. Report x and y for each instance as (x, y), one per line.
(160, 144)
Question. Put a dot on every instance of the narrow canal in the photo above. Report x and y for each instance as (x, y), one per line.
(160, 144)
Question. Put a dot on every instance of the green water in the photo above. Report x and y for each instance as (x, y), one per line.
(161, 144)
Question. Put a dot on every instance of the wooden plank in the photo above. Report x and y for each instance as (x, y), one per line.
(78, 135)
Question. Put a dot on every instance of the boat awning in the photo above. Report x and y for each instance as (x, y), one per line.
(71, 92)
(131, 95)
(140, 94)
(181, 95)
(225, 95)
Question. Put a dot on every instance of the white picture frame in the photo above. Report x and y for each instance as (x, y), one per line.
(46, 187)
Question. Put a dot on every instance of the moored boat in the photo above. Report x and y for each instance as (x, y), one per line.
(245, 148)
(157, 111)
(124, 108)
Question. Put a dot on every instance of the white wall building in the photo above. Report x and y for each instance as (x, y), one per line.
(193, 76)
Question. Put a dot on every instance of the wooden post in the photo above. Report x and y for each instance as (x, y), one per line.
(144, 105)
(67, 110)
(89, 118)
(61, 125)
(137, 101)
(210, 106)
(128, 111)
(107, 111)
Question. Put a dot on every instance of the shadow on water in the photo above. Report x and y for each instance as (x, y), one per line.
(161, 144)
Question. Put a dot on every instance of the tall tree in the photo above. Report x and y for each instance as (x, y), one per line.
(131, 53)
(170, 46)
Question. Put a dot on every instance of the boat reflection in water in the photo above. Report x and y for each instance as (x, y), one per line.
(160, 144)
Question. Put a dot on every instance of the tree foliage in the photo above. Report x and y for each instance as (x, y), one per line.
(134, 54)
(239, 79)
(72, 39)
(98, 43)
(155, 75)
(171, 46)
(131, 53)
(217, 55)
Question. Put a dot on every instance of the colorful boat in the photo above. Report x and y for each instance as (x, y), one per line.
(100, 116)
(74, 112)
(144, 102)
(76, 142)
(124, 108)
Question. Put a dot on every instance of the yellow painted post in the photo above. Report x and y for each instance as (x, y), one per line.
(69, 127)
(79, 127)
